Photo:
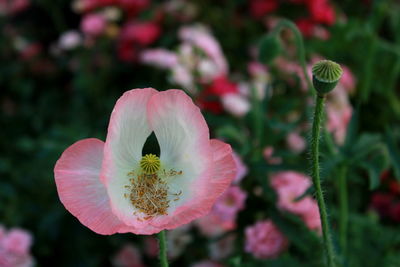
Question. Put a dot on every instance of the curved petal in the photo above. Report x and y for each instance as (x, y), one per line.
(127, 133)
(77, 176)
(183, 136)
(224, 171)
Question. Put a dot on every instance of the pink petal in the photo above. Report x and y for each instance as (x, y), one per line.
(225, 168)
(224, 171)
(207, 167)
(127, 133)
(183, 136)
(79, 188)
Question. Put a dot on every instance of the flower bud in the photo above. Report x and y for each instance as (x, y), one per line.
(270, 48)
(326, 75)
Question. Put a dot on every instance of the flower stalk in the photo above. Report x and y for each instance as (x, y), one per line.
(343, 208)
(328, 246)
(163, 249)
(326, 75)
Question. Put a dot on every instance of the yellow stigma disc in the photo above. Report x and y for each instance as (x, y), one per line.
(150, 163)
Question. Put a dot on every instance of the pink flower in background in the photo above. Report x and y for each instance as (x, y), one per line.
(207, 263)
(99, 182)
(290, 186)
(241, 168)
(339, 112)
(223, 215)
(288, 178)
(211, 225)
(2, 232)
(312, 217)
(268, 154)
(151, 246)
(296, 142)
(15, 248)
(257, 70)
(230, 203)
(348, 81)
(93, 24)
(17, 241)
(223, 247)
(264, 240)
(128, 256)
(177, 241)
(159, 57)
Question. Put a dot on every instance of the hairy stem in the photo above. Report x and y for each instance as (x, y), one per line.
(344, 209)
(163, 249)
(327, 241)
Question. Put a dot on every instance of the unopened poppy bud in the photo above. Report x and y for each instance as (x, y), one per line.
(326, 75)
(270, 48)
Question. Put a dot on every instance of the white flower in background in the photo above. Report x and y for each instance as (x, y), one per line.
(200, 37)
(69, 40)
(207, 70)
(183, 77)
(159, 57)
(236, 104)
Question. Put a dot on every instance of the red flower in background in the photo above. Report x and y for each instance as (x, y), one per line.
(221, 86)
(12, 7)
(134, 7)
(135, 35)
(131, 7)
(306, 26)
(142, 33)
(381, 202)
(394, 212)
(321, 11)
(259, 8)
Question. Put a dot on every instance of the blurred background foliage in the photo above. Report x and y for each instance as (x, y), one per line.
(49, 101)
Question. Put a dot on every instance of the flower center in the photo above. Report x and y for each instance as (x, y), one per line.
(148, 189)
(150, 163)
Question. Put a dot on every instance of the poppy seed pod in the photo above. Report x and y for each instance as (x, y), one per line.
(326, 75)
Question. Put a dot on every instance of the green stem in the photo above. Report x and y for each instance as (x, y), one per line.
(163, 249)
(344, 209)
(300, 46)
(327, 241)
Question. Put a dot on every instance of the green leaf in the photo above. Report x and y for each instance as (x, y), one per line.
(394, 153)
(375, 167)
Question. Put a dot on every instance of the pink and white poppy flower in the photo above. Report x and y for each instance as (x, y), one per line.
(111, 188)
